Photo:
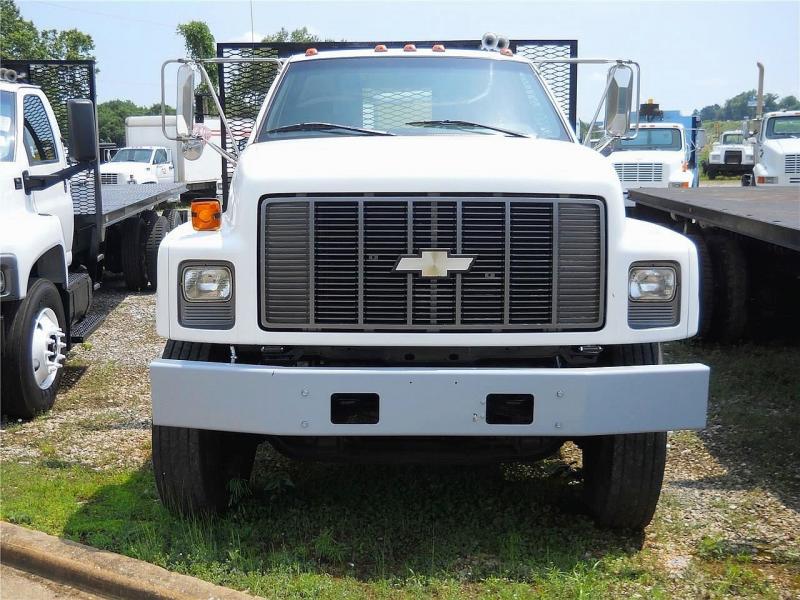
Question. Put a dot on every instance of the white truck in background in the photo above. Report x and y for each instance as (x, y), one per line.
(776, 137)
(663, 153)
(138, 165)
(391, 280)
(732, 154)
(202, 175)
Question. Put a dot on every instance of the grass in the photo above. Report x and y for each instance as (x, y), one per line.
(340, 531)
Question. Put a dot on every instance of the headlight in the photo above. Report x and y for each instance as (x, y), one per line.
(207, 284)
(647, 284)
(715, 157)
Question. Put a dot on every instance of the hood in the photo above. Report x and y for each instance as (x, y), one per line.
(784, 146)
(426, 164)
(124, 167)
(647, 156)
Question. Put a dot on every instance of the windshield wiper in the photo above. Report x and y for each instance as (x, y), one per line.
(464, 124)
(319, 126)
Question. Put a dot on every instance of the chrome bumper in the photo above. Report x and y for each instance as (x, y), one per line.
(428, 401)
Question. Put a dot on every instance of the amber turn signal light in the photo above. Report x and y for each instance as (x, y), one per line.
(206, 215)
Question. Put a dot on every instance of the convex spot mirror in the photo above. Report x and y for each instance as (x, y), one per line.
(619, 101)
(184, 106)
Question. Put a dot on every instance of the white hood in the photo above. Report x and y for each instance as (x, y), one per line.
(447, 164)
(669, 157)
(784, 145)
(126, 167)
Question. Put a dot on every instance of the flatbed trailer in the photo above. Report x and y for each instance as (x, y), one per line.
(748, 241)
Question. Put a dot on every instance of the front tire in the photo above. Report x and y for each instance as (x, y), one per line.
(32, 355)
(623, 473)
(194, 467)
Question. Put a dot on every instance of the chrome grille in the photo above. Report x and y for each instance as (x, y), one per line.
(109, 178)
(328, 263)
(792, 164)
(639, 172)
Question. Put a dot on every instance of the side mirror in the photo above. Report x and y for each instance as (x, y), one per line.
(701, 139)
(184, 105)
(619, 101)
(82, 130)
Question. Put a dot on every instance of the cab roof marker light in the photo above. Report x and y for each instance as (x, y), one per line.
(506, 52)
(381, 48)
(409, 48)
(312, 52)
(438, 48)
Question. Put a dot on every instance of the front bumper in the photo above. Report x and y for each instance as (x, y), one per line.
(428, 401)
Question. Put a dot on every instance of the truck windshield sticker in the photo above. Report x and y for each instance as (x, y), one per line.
(388, 93)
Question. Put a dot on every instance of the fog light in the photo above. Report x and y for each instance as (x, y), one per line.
(652, 284)
(207, 283)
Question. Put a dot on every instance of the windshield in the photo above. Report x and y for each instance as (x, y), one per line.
(411, 96)
(656, 138)
(141, 155)
(8, 126)
(732, 138)
(783, 127)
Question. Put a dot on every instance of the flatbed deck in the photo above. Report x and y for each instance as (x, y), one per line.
(122, 201)
(770, 214)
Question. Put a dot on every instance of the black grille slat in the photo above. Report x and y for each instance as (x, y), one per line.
(331, 266)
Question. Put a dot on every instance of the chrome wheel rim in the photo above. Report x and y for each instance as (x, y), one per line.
(47, 344)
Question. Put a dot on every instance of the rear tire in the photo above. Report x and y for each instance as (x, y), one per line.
(31, 325)
(157, 234)
(174, 218)
(731, 288)
(623, 473)
(132, 259)
(194, 467)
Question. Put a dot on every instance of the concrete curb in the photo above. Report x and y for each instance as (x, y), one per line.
(101, 572)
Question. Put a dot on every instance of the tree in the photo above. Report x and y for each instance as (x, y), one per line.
(789, 103)
(300, 35)
(20, 38)
(111, 117)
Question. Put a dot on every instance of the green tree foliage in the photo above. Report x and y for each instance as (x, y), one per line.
(301, 35)
(736, 108)
(111, 117)
(21, 39)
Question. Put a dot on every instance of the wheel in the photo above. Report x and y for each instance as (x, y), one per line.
(731, 288)
(712, 173)
(622, 474)
(194, 467)
(157, 234)
(174, 218)
(132, 256)
(747, 180)
(706, 284)
(32, 355)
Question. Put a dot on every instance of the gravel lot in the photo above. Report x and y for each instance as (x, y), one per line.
(723, 496)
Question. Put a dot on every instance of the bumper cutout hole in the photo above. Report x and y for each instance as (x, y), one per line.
(509, 409)
(354, 409)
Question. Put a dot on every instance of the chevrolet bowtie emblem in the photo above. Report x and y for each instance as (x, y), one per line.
(434, 263)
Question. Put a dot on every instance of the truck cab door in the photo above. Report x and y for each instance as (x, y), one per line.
(164, 169)
(45, 155)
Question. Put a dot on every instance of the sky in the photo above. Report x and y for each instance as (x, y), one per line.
(691, 53)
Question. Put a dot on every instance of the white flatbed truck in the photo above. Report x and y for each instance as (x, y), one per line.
(60, 229)
(391, 280)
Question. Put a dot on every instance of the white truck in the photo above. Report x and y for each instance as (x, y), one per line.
(393, 280)
(60, 229)
(662, 154)
(202, 175)
(732, 154)
(138, 165)
(776, 137)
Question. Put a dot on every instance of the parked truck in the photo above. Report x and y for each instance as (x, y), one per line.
(391, 280)
(776, 137)
(732, 154)
(663, 153)
(60, 228)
